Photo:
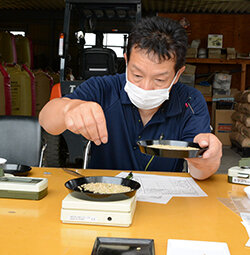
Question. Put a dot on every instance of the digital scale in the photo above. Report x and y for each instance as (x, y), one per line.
(239, 175)
(23, 187)
(113, 213)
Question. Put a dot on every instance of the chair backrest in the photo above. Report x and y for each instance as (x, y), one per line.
(20, 140)
(97, 62)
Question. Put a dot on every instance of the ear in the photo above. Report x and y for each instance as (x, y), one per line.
(181, 70)
(125, 57)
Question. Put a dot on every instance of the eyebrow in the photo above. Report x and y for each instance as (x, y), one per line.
(137, 68)
(159, 74)
(164, 73)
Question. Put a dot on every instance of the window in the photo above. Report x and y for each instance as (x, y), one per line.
(18, 33)
(89, 40)
(110, 40)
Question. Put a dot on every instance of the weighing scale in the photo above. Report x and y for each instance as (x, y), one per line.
(23, 187)
(239, 175)
(84, 211)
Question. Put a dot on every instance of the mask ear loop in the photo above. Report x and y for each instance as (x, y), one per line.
(172, 83)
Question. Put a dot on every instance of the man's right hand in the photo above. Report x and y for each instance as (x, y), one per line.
(80, 117)
(86, 118)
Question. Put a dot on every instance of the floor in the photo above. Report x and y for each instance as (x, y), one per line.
(230, 158)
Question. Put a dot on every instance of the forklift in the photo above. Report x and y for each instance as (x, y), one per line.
(78, 62)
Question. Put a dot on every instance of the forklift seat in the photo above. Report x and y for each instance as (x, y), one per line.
(20, 140)
(97, 62)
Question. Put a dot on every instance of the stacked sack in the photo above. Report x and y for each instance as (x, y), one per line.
(23, 91)
(241, 120)
(43, 85)
(5, 92)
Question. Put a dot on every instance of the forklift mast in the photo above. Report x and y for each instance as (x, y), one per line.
(121, 9)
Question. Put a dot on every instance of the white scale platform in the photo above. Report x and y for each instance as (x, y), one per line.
(112, 213)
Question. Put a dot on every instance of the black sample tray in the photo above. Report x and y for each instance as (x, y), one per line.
(16, 169)
(120, 246)
(73, 186)
(183, 150)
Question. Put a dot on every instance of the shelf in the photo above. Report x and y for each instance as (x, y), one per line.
(219, 61)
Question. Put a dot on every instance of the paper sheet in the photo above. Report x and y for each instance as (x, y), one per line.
(242, 204)
(229, 204)
(246, 223)
(160, 189)
(189, 247)
(245, 217)
(152, 199)
(248, 243)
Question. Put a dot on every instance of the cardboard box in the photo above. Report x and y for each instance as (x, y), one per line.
(214, 53)
(187, 79)
(190, 69)
(223, 125)
(231, 53)
(205, 90)
(191, 53)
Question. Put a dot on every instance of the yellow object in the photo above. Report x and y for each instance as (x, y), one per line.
(43, 84)
(20, 82)
(7, 48)
(23, 50)
(2, 95)
(5, 93)
(188, 218)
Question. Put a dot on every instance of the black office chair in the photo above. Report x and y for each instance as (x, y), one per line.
(20, 140)
(97, 62)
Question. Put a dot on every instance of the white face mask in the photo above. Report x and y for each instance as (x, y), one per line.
(147, 99)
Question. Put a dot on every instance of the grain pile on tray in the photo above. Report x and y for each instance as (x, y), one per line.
(241, 118)
(172, 147)
(104, 188)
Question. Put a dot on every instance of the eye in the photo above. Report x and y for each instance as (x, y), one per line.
(159, 80)
(137, 76)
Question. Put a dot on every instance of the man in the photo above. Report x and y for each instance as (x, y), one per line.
(145, 103)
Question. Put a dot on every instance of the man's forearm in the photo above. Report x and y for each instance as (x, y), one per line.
(51, 117)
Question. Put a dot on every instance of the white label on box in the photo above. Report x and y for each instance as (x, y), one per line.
(241, 181)
(80, 218)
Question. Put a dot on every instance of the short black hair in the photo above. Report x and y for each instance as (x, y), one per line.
(161, 36)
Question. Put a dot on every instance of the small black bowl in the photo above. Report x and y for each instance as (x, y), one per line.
(16, 169)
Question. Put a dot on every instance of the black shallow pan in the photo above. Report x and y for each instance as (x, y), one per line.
(16, 169)
(72, 186)
(183, 152)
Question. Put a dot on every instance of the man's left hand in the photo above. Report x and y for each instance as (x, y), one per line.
(203, 167)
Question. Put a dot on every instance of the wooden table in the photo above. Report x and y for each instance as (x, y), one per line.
(34, 227)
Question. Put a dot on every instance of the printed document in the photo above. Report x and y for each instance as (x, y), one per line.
(160, 189)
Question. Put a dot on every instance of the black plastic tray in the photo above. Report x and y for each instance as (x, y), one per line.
(168, 153)
(73, 186)
(119, 246)
(15, 169)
